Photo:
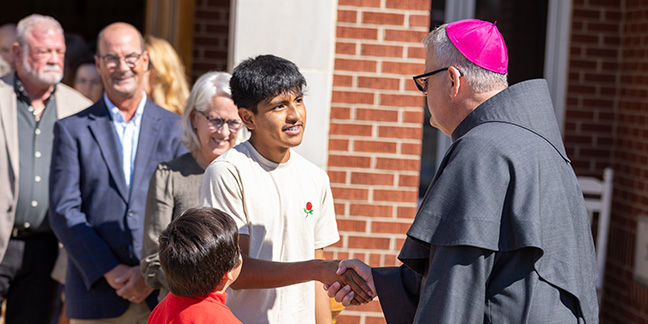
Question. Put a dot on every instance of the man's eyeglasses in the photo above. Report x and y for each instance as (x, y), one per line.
(421, 81)
(112, 61)
(216, 123)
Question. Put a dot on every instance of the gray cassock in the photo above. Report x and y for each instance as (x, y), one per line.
(502, 235)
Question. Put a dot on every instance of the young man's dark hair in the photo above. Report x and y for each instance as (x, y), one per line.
(262, 78)
(197, 249)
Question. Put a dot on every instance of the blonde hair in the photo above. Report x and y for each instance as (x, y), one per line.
(170, 88)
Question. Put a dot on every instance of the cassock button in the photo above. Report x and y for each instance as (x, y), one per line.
(37, 154)
(37, 178)
(34, 203)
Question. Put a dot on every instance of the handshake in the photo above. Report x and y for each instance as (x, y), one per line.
(351, 284)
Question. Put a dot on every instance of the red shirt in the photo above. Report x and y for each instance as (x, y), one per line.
(193, 310)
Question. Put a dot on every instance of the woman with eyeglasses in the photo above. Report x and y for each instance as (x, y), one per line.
(211, 127)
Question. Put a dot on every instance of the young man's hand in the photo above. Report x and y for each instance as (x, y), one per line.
(344, 291)
(358, 287)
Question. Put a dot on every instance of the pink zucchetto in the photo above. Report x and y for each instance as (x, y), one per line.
(480, 42)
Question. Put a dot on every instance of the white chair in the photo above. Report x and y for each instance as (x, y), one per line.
(598, 201)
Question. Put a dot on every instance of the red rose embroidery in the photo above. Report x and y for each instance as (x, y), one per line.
(309, 209)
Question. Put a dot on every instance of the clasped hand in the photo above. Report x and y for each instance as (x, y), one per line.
(354, 284)
(128, 283)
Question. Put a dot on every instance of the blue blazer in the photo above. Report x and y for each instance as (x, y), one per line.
(94, 215)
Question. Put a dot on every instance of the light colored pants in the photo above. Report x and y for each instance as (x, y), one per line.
(135, 314)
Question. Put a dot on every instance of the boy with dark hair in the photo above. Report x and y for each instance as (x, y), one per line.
(282, 204)
(200, 257)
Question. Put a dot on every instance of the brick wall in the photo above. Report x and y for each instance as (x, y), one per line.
(211, 33)
(606, 125)
(593, 84)
(376, 130)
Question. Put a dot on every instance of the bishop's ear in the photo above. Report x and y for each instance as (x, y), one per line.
(455, 78)
(247, 116)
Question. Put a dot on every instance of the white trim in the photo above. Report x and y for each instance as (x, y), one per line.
(557, 54)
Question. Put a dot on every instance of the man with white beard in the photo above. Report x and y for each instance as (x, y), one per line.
(31, 100)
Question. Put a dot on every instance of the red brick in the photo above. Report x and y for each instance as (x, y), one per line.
(358, 242)
(349, 193)
(337, 176)
(355, 65)
(373, 306)
(585, 14)
(408, 4)
(353, 97)
(372, 178)
(344, 318)
(348, 225)
(371, 210)
(340, 113)
(357, 33)
(380, 18)
(406, 212)
(374, 258)
(402, 100)
(413, 116)
(349, 161)
(395, 195)
(398, 164)
(416, 52)
(405, 35)
(359, 3)
(350, 16)
(419, 21)
(377, 114)
(389, 227)
(403, 68)
(408, 181)
(374, 146)
(375, 320)
(381, 50)
(350, 129)
(342, 80)
(604, 27)
(400, 132)
(411, 149)
(328, 255)
(345, 48)
(338, 145)
(340, 208)
(602, 52)
(378, 83)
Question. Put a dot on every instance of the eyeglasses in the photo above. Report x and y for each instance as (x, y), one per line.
(216, 123)
(112, 61)
(421, 81)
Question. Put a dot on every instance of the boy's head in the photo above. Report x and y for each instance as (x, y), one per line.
(198, 250)
(268, 91)
(262, 78)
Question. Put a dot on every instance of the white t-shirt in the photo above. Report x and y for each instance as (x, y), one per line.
(287, 210)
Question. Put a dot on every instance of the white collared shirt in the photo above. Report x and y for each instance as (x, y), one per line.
(128, 134)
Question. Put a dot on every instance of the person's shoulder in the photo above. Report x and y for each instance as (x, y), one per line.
(304, 164)
(96, 110)
(160, 112)
(71, 96)
(181, 163)
(6, 81)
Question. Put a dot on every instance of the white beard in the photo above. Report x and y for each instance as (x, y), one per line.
(50, 75)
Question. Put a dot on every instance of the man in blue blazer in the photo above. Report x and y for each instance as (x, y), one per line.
(102, 160)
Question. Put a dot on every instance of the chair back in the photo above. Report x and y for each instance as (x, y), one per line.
(598, 201)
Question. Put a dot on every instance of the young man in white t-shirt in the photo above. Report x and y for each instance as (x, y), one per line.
(281, 203)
